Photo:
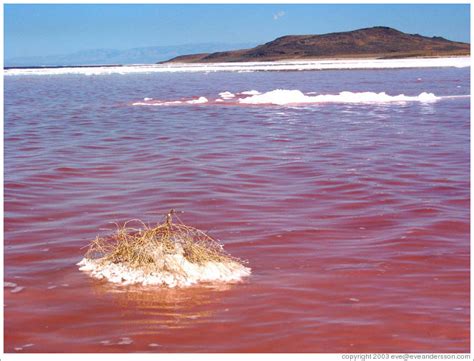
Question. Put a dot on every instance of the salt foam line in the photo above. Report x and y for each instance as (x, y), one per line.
(296, 97)
(284, 97)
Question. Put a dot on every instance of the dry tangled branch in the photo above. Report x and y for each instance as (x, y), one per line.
(146, 247)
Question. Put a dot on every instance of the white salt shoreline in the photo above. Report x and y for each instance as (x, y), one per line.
(182, 273)
(290, 65)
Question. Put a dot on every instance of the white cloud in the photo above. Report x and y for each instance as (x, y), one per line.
(278, 15)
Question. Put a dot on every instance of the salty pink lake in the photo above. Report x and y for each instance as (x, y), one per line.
(354, 217)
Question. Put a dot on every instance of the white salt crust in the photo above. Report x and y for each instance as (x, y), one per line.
(296, 97)
(181, 272)
(285, 65)
(226, 95)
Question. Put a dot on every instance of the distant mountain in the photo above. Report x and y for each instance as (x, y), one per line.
(378, 42)
(145, 55)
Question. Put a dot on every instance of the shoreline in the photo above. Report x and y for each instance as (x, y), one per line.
(316, 59)
(62, 66)
(242, 67)
(295, 60)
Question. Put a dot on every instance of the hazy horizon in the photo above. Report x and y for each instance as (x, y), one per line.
(139, 55)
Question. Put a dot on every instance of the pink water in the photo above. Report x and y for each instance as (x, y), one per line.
(353, 217)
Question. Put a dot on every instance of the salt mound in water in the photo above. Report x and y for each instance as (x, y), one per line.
(170, 254)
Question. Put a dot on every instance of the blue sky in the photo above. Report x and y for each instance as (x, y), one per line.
(35, 30)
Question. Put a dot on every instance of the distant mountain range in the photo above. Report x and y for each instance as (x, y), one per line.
(145, 55)
(377, 42)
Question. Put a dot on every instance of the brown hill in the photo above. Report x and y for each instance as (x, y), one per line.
(376, 42)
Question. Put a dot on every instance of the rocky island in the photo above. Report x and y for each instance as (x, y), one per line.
(377, 42)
